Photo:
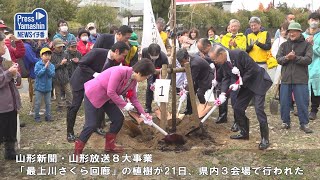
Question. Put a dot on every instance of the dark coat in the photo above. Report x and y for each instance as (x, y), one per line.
(89, 64)
(105, 41)
(61, 75)
(163, 59)
(253, 76)
(71, 66)
(9, 94)
(295, 71)
(202, 74)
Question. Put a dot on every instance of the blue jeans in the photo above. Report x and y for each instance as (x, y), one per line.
(47, 101)
(301, 95)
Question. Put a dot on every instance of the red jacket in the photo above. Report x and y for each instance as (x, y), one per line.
(17, 52)
(84, 48)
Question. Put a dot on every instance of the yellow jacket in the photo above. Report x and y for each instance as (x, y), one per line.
(257, 54)
(164, 37)
(240, 40)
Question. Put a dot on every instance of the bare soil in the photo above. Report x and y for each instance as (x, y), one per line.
(213, 149)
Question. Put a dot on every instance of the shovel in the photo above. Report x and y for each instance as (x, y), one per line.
(211, 92)
(169, 138)
(205, 118)
(202, 121)
(274, 102)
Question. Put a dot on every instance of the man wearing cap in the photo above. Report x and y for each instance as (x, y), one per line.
(132, 56)
(90, 66)
(295, 55)
(73, 57)
(93, 32)
(312, 35)
(107, 40)
(258, 43)
(61, 78)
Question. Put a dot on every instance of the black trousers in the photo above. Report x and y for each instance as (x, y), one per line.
(77, 97)
(149, 93)
(243, 99)
(91, 121)
(8, 127)
(315, 102)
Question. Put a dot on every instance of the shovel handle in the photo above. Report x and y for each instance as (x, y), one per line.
(159, 129)
(208, 114)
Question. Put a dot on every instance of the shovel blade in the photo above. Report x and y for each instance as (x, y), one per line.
(193, 130)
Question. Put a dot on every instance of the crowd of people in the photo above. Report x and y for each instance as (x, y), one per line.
(102, 70)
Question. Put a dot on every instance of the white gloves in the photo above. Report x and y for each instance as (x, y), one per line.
(129, 107)
(96, 74)
(221, 99)
(235, 70)
(214, 83)
(183, 95)
(147, 119)
(212, 66)
(152, 87)
(234, 87)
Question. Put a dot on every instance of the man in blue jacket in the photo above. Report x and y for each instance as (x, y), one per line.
(30, 59)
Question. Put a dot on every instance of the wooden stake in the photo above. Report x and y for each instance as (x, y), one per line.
(195, 115)
(173, 75)
(163, 106)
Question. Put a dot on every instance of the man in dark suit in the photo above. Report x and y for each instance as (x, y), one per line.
(255, 83)
(107, 40)
(202, 76)
(204, 46)
(159, 58)
(90, 66)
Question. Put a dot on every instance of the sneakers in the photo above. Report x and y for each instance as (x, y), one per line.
(312, 115)
(285, 126)
(305, 128)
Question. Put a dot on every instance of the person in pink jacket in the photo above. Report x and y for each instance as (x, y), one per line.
(105, 91)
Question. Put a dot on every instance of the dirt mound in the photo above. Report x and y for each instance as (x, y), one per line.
(144, 137)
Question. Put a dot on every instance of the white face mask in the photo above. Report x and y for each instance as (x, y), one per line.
(93, 31)
(154, 57)
(84, 38)
(64, 28)
(314, 25)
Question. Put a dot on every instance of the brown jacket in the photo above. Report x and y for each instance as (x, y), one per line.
(9, 95)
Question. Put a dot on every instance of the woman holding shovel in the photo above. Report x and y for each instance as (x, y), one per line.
(105, 91)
